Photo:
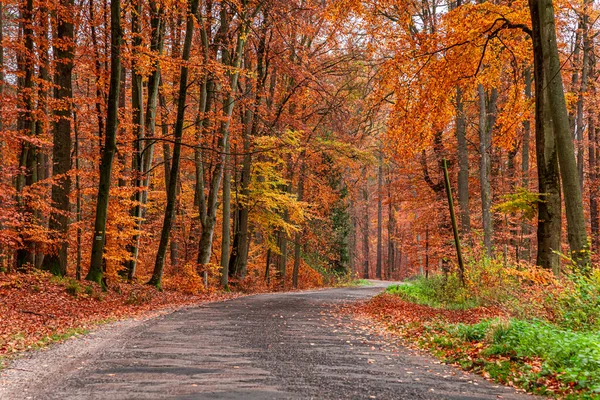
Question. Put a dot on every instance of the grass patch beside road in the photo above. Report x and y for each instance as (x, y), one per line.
(518, 326)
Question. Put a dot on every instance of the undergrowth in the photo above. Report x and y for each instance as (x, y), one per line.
(549, 343)
(534, 355)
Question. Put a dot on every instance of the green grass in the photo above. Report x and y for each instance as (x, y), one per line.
(436, 291)
(523, 351)
(343, 282)
(573, 358)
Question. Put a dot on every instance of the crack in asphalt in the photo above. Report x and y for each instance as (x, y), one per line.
(291, 345)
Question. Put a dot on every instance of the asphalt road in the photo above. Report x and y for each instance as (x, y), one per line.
(272, 346)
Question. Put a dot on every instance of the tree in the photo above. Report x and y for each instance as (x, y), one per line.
(544, 32)
(110, 147)
(64, 51)
(156, 278)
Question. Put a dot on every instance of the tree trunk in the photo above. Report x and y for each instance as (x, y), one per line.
(593, 179)
(484, 170)
(96, 272)
(98, 71)
(26, 253)
(226, 224)
(391, 230)
(159, 264)
(463, 166)
(366, 225)
(549, 206)
(137, 120)
(526, 243)
(78, 204)
(379, 217)
(579, 130)
(61, 154)
(543, 12)
(593, 166)
(299, 234)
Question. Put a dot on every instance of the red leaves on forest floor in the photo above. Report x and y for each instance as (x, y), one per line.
(392, 309)
(36, 306)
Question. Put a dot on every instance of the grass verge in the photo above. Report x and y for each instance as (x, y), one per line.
(555, 352)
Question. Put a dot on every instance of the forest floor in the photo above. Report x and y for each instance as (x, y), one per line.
(37, 309)
(279, 345)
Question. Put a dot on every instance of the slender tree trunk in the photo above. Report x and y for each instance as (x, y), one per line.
(299, 234)
(26, 253)
(593, 179)
(525, 231)
(593, 165)
(366, 225)
(61, 155)
(484, 168)
(587, 48)
(41, 162)
(379, 268)
(137, 163)
(226, 225)
(391, 229)
(78, 204)
(463, 165)
(96, 271)
(543, 11)
(98, 73)
(157, 274)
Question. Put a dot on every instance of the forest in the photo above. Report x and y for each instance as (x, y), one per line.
(210, 146)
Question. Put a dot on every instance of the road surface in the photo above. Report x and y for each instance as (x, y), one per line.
(271, 346)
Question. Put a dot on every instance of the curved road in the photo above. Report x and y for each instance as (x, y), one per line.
(272, 346)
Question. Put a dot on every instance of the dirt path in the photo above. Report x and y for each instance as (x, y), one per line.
(273, 346)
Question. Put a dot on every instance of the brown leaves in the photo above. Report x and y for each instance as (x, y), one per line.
(36, 306)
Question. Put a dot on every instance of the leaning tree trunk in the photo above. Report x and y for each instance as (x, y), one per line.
(61, 153)
(543, 13)
(96, 272)
(157, 274)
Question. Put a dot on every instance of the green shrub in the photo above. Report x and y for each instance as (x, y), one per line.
(579, 306)
(573, 357)
(73, 287)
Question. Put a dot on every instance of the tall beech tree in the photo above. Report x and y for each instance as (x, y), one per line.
(97, 267)
(64, 50)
